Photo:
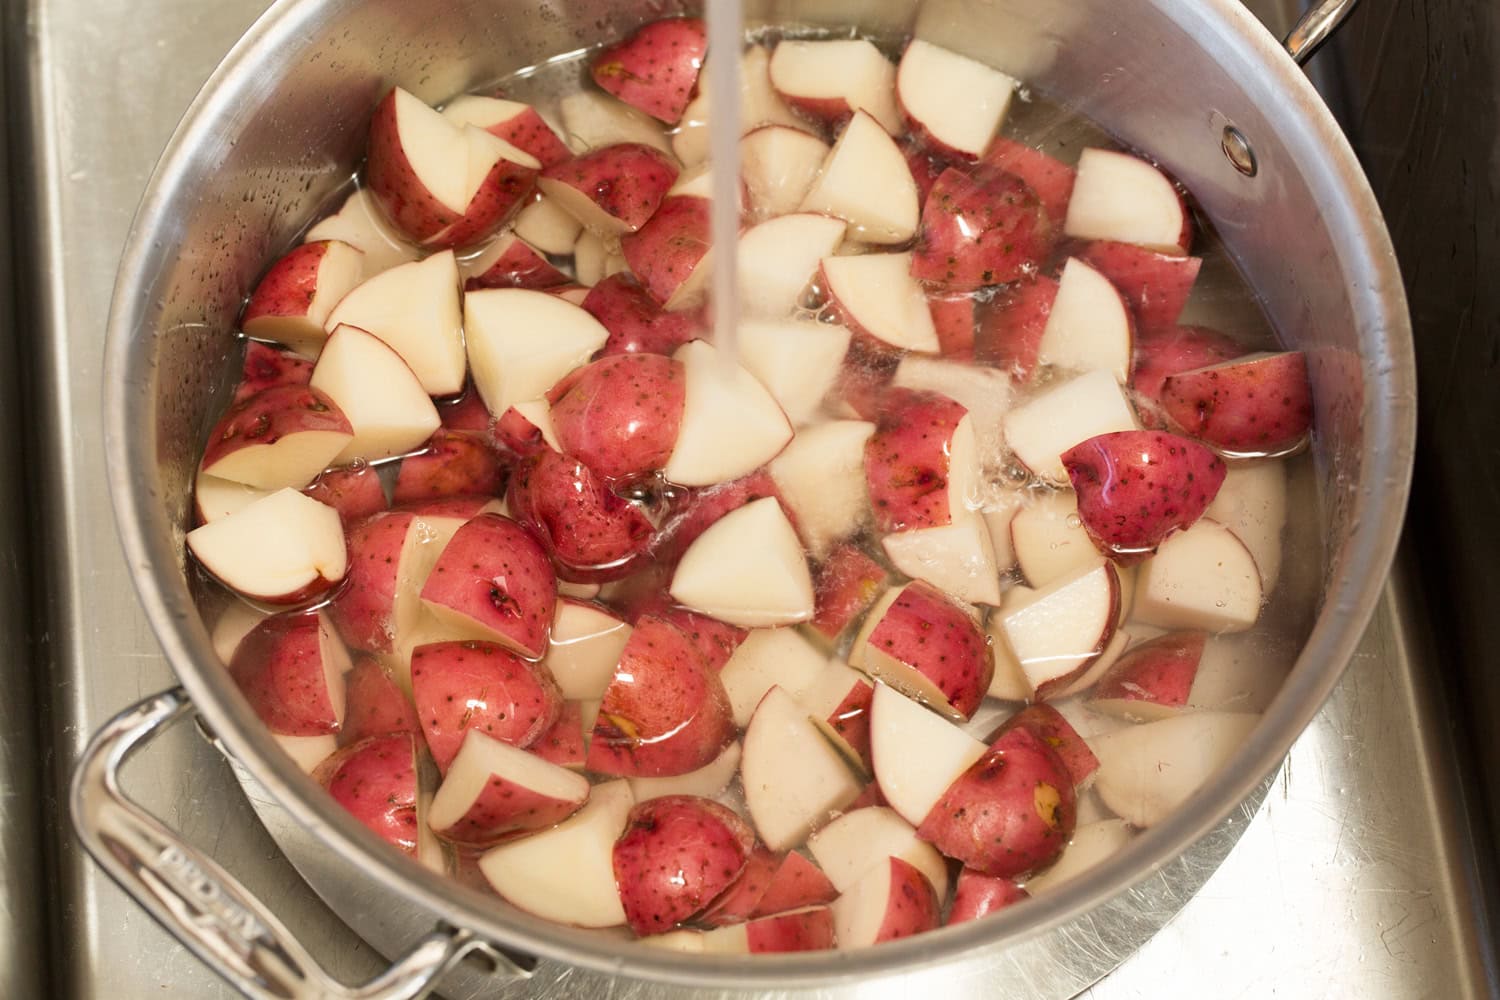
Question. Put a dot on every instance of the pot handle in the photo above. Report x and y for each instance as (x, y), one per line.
(201, 904)
(1314, 28)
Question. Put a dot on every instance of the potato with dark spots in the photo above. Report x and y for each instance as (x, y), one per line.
(494, 581)
(665, 712)
(677, 853)
(1012, 812)
(620, 415)
(980, 227)
(463, 685)
(591, 533)
(1137, 487)
(1258, 405)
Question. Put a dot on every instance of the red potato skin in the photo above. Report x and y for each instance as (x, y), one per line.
(1170, 351)
(374, 704)
(270, 415)
(714, 639)
(1137, 487)
(620, 415)
(675, 855)
(925, 168)
(1047, 724)
(375, 780)
(529, 132)
(1260, 406)
(462, 508)
(1155, 285)
(1051, 179)
(977, 895)
(795, 883)
(452, 463)
(464, 412)
(590, 534)
(637, 324)
(1012, 812)
(496, 573)
(564, 744)
(362, 610)
(664, 252)
(656, 68)
(627, 180)
(393, 181)
(865, 377)
(912, 906)
(851, 720)
(1160, 671)
(278, 667)
(458, 686)
(702, 507)
(844, 586)
(978, 228)
(266, 366)
(289, 286)
(1011, 328)
(415, 211)
(516, 434)
(518, 266)
(739, 902)
(906, 460)
(500, 195)
(664, 712)
(926, 630)
(953, 317)
(810, 930)
(352, 490)
(870, 796)
(505, 808)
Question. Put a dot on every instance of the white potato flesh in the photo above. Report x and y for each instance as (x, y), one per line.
(747, 569)
(510, 363)
(821, 478)
(414, 308)
(917, 753)
(960, 102)
(866, 182)
(1064, 626)
(566, 874)
(731, 424)
(1200, 578)
(1147, 771)
(878, 294)
(794, 779)
(275, 547)
(797, 360)
(1089, 328)
(1040, 430)
(380, 395)
(857, 841)
(584, 648)
(1121, 197)
(767, 658)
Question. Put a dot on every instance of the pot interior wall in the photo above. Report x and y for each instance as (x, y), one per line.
(290, 131)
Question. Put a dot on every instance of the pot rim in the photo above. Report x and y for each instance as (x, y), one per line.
(1386, 458)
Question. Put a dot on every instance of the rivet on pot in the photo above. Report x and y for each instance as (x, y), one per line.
(1238, 151)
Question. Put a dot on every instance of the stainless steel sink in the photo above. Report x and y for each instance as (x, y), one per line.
(1355, 878)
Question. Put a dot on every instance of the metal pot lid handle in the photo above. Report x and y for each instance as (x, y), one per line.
(1314, 27)
(205, 907)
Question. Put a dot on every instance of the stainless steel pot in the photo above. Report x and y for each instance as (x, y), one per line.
(280, 125)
